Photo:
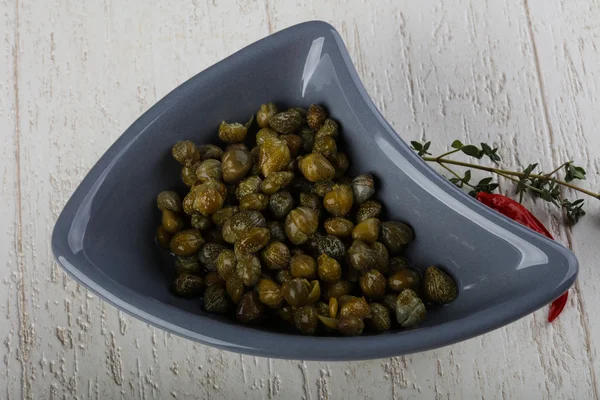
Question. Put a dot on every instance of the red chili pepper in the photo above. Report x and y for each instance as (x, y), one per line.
(515, 211)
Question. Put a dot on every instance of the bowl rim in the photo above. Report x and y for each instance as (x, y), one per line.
(252, 341)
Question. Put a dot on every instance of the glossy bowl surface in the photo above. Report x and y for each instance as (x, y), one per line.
(104, 237)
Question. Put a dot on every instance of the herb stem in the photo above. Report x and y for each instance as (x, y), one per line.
(456, 175)
(440, 157)
(558, 168)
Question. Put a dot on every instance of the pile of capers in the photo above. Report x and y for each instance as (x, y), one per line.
(279, 232)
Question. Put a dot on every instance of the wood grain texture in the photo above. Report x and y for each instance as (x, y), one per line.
(520, 74)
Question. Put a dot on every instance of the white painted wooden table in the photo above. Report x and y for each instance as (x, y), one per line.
(73, 75)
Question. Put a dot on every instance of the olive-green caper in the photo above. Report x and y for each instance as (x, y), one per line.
(333, 307)
(275, 181)
(404, 279)
(265, 133)
(303, 266)
(216, 299)
(338, 201)
(277, 231)
(201, 222)
(367, 230)
(361, 256)
(286, 122)
(389, 301)
(236, 226)
(186, 242)
(253, 240)
(438, 286)
(225, 263)
(372, 284)
(380, 320)
(208, 197)
(410, 310)
(382, 257)
(283, 276)
(188, 285)
(210, 151)
(281, 203)
(340, 227)
(329, 128)
(254, 202)
(188, 174)
(322, 308)
(235, 165)
(185, 152)
(398, 264)
(300, 223)
(172, 222)
(269, 293)
(356, 306)
(235, 288)
(395, 235)
(329, 269)
(248, 269)
(368, 209)
(275, 255)
(306, 320)
(221, 216)
(208, 253)
(232, 132)
(326, 146)
(315, 167)
(321, 188)
(294, 143)
(274, 156)
(248, 186)
(337, 289)
(341, 163)
(363, 187)
(169, 200)
(264, 114)
(332, 246)
(249, 309)
(209, 169)
(316, 116)
(163, 237)
(350, 325)
(295, 292)
(187, 265)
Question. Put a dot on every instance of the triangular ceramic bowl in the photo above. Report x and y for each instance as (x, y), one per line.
(104, 235)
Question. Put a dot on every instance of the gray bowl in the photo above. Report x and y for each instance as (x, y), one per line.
(104, 236)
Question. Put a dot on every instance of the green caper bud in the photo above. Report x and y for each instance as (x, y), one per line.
(274, 156)
(277, 231)
(338, 201)
(264, 114)
(281, 203)
(332, 246)
(236, 226)
(389, 301)
(286, 122)
(207, 198)
(372, 284)
(250, 309)
(350, 325)
(395, 235)
(329, 269)
(210, 152)
(363, 187)
(315, 167)
(410, 310)
(303, 266)
(163, 237)
(329, 128)
(188, 285)
(187, 242)
(212, 278)
(368, 209)
(226, 262)
(269, 293)
(215, 299)
(188, 175)
(294, 143)
(398, 264)
(306, 320)
(326, 146)
(404, 279)
(295, 292)
(201, 222)
(337, 289)
(275, 181)
(356, 306)
(172, 222)
(169, 200)
(248, 186)
(185, 152)
(235, 165)
(341, 163)
(340, 227)
(232, 132)
(381, 257)
(316, 116)
(235, 288)
(265, 133)
(367, 230)
(361, 256)
(286, 313)
(300, 223)
(438, 286)
(209, 169)
(254, 202)
(321, 188)
(208, 255)
(283, 276)
(380, 320)
(308, 139)
(253, 240)
(248, 269)
(187, 265)
(221, 216)
(276, 255)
